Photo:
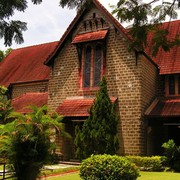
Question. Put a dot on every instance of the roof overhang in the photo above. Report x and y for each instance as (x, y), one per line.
(77, 107)
(169, 107)
(68, 31)
(90, 36)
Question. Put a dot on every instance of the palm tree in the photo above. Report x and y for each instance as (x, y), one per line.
(26, 142)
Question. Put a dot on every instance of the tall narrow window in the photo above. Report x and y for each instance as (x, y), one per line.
(171, 85)
(97, 65)
(87, 67)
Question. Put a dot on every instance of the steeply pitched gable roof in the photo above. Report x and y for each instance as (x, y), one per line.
(168, 62)
(77, 18)
(26, 64)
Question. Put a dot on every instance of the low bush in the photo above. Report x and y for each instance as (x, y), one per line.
(107, 167)
(172, 153)
(154, 163)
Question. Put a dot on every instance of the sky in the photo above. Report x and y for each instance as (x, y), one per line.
(46, 22)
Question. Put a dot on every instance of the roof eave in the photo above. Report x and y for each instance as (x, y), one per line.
(76, 19)
(63, 38)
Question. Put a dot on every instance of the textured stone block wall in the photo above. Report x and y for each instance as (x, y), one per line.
(128, 79)
(149, 86)
(20, 89)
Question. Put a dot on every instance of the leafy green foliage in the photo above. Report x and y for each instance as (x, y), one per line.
(154, 163)
(78, 4)
(172, 152)
(99, 131)
(107, 167)
(139, 13)
(7, 51)
(26, 142)
(3, 54)
(5, 106)
(12, 29)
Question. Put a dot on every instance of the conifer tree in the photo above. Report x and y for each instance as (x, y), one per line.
(99, 132)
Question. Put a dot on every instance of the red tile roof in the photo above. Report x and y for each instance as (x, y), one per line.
(26, 64)
(90, 36)
(76, 107)
(21, 103)
(168, 62)
(78, 17)
(164, 108)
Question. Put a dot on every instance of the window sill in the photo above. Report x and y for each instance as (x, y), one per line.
(172, 95)
(89, 89)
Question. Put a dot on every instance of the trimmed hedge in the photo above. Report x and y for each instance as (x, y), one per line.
(154, 163)
(107, 167)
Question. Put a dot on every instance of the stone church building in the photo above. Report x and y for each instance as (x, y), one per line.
(65, 75)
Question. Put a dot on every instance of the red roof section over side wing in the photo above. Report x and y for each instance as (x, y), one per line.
(90, 36)
(21, 104)
(168, 62)
(77, 107)
(26, 64)
(164, 108)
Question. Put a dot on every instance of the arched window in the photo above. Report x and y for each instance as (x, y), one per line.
(87, 67)
(171, 85)
(97, 65)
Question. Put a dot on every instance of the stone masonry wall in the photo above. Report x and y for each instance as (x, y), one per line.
(124, 78)
(65, 77)
(149, 84)
(20, 89)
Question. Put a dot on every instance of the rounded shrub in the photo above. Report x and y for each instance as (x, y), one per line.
(108, 167)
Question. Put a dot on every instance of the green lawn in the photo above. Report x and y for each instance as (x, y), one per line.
(144, 176)
(73, 176)
(159, 176)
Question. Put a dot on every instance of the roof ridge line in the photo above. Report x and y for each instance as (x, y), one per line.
(76, 18)
(35, 45)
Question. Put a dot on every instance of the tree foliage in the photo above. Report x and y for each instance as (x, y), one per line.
(99, 132)
(3, 54)
(126, 10)
(138, 13)
(5, 105)
(78, 4)
(26, 142)
(12, 29)
(172, 153)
